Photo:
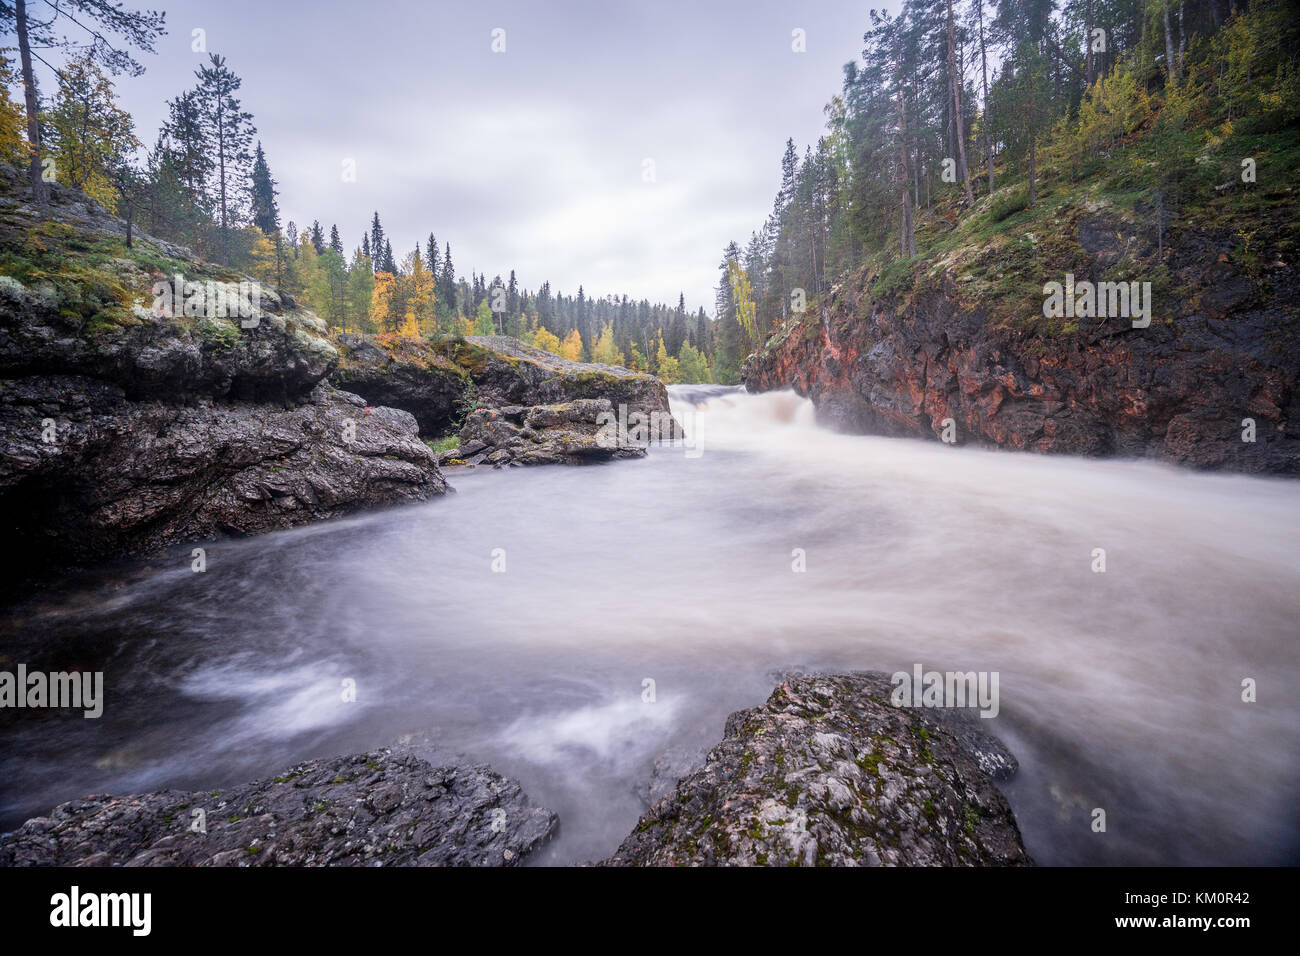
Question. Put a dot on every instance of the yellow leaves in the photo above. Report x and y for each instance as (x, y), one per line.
(13, 119)
(743, 294)
(605, 351)
(381, 301)
(418, 287)
(410, 328)
(571, 348)
(262, 252)
(545, 340)
(666, 367)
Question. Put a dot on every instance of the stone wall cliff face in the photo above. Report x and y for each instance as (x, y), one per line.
(129, 440)
(1217, 352)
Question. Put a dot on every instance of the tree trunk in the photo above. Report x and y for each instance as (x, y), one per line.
(221, 176)
(39, 193)
(984, 72)
(956, 107)
(1182, 38)
(908, 239)
(1033, 195)
(1170, 65)
(1090, 72)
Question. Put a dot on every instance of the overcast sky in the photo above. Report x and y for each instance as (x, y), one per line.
(530, 159)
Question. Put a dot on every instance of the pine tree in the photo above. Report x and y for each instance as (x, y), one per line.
(365, 244)
(512, 295)
(228, 133)
(317, 237)
(336, 241)
(266, 214)
(956, 84)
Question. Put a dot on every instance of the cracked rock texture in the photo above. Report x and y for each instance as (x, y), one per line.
(125, 429)
(829, 773)
(1221, 348)
(382, 808)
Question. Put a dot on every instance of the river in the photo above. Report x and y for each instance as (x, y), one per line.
(1120, 690)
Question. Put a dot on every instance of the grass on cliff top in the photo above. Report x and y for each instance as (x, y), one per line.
(1177, 170)
(93, 279)
(999, 254)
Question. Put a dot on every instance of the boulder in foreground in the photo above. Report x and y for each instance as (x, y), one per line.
(829, 773)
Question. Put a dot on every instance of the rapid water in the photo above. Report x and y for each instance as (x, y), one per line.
(1118, 690)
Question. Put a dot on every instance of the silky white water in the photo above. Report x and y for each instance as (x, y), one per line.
(1120, 691)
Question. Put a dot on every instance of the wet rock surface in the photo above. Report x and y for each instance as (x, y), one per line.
(829, 773)
(123, 477)
(383, 808)
(126, 428)
(569, 433)
(507, 402)
(1220, 349)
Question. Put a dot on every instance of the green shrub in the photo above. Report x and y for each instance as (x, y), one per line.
(1008, 202)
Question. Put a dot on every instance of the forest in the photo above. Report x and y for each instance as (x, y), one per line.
(205, 182)
(962, 115)
(952, 102)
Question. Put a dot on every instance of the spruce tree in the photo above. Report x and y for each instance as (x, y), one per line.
(377, 243)
(432, 254)
(447, 281)
(266, 214)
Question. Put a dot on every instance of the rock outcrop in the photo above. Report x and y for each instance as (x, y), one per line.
(506, 401)
(411, 374)
(829, 773)
(125, 427)
(381, 808)
(1221, 348)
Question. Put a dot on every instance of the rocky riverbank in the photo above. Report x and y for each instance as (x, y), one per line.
(126, 427)
(905, 357)
(827, 772)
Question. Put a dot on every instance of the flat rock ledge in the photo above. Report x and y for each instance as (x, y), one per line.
(382, 808)
(829, 773)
